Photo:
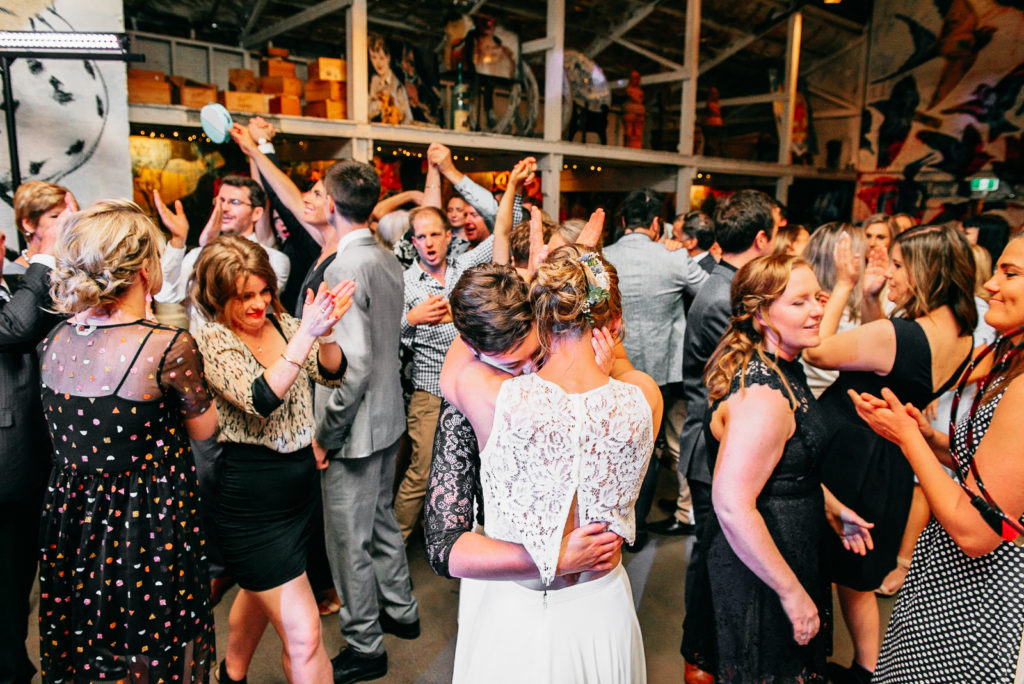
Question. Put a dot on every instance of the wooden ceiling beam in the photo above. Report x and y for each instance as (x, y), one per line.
(633, 18)
(295, 21)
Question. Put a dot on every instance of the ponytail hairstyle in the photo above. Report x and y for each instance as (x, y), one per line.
(100, 252)
(754, 289)
(575, 290)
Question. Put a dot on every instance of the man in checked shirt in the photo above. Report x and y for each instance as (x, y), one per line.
(428, 331)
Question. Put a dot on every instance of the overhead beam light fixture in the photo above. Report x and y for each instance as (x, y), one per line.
(64, 45)
(52, 45)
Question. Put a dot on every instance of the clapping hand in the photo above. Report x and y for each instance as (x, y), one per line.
(176, 222)
(591, 233)
(538, 250)
(876, 271)
(321, 312)
(887, 416)
(848, 262)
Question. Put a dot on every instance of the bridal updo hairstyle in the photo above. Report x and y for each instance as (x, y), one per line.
(215, 281)
(100, 252)
(563, 298)
(754, 289)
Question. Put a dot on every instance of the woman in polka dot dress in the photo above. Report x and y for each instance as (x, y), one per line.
(123, 581)
(960, 615)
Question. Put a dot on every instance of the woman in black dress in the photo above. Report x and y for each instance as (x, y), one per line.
(122, 574)
(261, 364)
(766, 434)
(918, 354)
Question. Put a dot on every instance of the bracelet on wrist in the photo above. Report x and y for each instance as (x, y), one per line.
(284, 355)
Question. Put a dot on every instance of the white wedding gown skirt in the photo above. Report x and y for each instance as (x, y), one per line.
(586, 634)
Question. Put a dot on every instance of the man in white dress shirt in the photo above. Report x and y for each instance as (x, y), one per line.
(240, 204)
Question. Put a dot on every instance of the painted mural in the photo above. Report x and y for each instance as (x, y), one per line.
(944, 104)
(71, 115)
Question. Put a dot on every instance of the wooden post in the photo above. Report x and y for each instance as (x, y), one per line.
(688, 110)
(789, 86)
(358, 62)
(684, 184)
(554, 60)
(550, 166)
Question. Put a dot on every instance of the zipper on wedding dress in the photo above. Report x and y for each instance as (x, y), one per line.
(545, 598)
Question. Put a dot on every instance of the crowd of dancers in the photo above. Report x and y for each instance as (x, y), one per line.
(234, 412)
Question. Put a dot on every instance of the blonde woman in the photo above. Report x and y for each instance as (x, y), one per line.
(123, 579)
(766, 438)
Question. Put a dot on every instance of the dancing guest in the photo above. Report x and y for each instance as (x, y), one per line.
(495, 324)
(25, 448)
(766, 435)
(578, 628)
(261, 364)
(37, 207)
(880, 230)
(820, 254)
(919, 353)
(123, 581)
(960, 614)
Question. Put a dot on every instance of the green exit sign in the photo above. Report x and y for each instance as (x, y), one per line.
(984, 184)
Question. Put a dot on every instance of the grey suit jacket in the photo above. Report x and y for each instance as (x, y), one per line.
(24, 438)
(366, 414)
(652, 281)
(709, 317)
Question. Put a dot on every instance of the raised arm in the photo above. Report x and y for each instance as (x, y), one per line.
(478, 197)
(869, 347)
(750, 449)
(390, 204)
(521, 174)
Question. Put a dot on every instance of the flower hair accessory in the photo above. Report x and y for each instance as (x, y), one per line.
(598, 284)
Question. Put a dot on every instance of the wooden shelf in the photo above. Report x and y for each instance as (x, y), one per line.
(174, 115)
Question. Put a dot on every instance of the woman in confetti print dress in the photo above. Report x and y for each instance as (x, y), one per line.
(123, 581)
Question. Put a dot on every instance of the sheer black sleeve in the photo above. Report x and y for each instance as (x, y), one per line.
(453, 487)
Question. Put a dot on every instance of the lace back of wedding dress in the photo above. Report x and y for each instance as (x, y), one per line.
(546, 446)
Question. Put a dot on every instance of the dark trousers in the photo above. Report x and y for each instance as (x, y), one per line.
(19, 553)
(698, 647)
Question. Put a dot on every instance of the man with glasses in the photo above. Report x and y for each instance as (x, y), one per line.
(428, 331)
(239, 205)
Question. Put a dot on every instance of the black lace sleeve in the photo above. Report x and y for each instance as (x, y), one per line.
(453, 487)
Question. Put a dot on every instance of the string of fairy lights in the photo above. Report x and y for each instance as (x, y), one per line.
(399, 151)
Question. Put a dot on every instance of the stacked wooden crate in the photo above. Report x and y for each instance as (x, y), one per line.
(243, 93)
(325, 89)
(146, 86)
(277, 79)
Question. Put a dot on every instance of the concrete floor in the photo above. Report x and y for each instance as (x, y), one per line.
(656, 574)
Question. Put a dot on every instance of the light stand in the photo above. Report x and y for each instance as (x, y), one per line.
(52, 45)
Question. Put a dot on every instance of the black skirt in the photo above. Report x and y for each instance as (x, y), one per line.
(265, 512)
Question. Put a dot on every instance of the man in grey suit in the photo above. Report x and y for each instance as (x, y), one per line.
(358, 426)
(653, 282)
(745, 231)
(24, 451)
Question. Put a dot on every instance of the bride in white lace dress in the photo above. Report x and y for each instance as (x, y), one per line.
(559, 449)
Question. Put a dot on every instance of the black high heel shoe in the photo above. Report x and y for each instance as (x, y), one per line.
(224, 678)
